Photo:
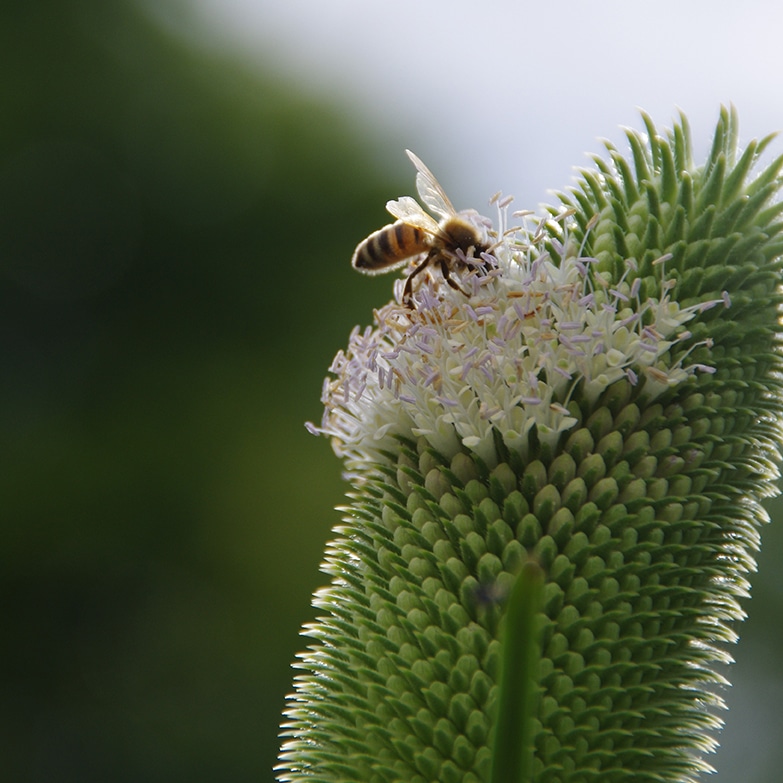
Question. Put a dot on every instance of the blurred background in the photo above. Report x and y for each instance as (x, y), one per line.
(181, 187)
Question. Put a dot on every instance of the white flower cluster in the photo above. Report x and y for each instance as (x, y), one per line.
(529, 329)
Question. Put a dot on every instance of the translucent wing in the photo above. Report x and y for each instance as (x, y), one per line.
(430, 190)
(409, 211)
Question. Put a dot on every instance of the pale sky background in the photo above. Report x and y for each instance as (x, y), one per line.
(510, 95)
(503, 95)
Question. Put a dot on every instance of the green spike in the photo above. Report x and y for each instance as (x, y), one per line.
(652, 236)
(767, 177)
(728, 219)
(676, 229)
(751, 208)
(653, 141)
(732, 137)
(683, 147)
(641, 156)
(629, 184)
(733, 185)
(718, 149)
(611, 183)
(593, 187)
(669, 181)
(685, 194)
(711, 189)
(765, 217)
(653, 196)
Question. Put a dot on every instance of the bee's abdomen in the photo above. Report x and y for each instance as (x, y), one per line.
(389, 247)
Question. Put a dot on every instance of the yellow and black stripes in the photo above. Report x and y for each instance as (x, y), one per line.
(389, 247)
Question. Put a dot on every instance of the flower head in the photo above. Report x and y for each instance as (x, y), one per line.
(504, 353)
(598, 393)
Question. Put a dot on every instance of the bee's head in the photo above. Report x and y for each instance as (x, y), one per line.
(463, 235)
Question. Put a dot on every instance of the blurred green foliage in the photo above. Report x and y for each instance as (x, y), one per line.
(175, 235)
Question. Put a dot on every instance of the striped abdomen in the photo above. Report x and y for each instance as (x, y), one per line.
(390, 247)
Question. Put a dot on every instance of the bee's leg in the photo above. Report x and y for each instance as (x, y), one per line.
(446, 273)
(408, 290)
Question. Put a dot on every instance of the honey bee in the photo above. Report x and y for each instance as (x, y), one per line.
(415, 232)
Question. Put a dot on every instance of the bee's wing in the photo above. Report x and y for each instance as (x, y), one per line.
(409, 211)
(430, 190)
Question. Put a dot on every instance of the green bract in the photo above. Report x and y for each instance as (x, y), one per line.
(602, 398)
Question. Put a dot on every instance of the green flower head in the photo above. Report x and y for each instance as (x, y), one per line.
(596, 391)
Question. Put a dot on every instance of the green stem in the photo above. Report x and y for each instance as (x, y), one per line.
(512, 753)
